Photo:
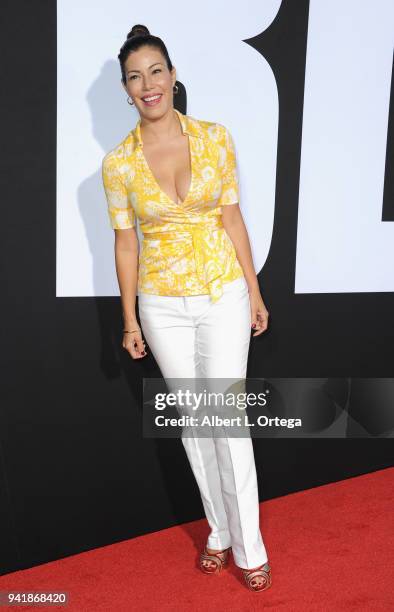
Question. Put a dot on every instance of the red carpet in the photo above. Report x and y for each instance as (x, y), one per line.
(331, 548)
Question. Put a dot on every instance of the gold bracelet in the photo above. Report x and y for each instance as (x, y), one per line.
(125, 331)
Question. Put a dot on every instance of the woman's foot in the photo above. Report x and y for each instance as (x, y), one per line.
(212, 561)
(259, 578)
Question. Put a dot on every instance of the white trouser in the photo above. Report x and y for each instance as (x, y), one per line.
(190, 336)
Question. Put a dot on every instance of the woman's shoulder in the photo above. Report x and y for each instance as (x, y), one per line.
(122, 152)
(212, 130)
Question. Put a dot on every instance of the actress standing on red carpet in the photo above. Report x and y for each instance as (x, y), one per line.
(198, 294)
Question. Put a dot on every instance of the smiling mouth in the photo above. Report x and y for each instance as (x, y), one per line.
(152, 100)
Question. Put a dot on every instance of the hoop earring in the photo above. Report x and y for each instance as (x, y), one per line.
(128, 101)
(175, 90)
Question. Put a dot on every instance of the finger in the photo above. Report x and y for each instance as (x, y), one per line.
(261, 326)
(254, 321)
(139, 346)
(135, 346)
(262, 317)
(136, 353)
(130, 348)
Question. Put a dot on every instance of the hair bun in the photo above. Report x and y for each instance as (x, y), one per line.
(138, 30)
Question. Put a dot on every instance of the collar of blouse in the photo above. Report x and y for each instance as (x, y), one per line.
(189, 126)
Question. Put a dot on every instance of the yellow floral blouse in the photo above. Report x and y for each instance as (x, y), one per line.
(185, 249)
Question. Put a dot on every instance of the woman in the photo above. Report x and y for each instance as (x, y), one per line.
(198, 295)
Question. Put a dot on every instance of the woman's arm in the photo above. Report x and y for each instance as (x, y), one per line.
(123, 222)
(126, 262)
(235, 227)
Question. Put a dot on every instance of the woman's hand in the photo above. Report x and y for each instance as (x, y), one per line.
(133, 342)
(259, 313)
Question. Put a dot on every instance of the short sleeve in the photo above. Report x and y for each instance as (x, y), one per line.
(229, 170)
(121, 213)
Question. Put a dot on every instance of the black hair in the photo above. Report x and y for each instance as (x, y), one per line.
(139, 36)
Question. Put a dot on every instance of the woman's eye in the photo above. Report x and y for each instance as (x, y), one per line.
(133, 76)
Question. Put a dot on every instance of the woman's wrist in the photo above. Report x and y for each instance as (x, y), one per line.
(130, 322)
(253, 285)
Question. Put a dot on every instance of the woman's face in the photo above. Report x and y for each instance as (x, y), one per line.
(147, 75)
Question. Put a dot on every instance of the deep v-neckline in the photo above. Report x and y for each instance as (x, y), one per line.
(148, 168)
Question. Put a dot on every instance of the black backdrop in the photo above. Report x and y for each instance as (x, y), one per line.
(75, 472)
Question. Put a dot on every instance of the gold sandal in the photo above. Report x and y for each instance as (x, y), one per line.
(262, 571)
(219, 559)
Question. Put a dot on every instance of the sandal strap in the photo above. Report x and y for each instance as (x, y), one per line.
(218, 558)
(262, 571)
(213, 558)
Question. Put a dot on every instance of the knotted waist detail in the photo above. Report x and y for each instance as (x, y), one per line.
(208, 267)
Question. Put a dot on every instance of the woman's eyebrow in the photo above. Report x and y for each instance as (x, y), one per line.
(148, 67)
